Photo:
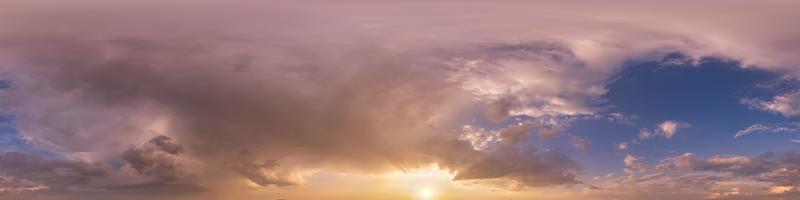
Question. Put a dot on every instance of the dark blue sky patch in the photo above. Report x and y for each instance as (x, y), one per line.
(709, 92)
(705, 93)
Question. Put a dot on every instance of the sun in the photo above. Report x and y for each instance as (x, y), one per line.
(426, 193)
(423, 183)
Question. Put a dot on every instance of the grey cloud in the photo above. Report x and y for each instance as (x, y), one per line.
(160, 157)
(498, 110)
(165, 144)
(22, 170)
(29, 176)
(516, 133)
(525, 165)
(268, 173)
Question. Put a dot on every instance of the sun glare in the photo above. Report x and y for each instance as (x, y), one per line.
(424, 183)
(426, 193)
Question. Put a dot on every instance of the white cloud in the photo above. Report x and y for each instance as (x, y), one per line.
(787, 104)
(665, 129)
(632, 164)
(733, 192)
(756, 128)
(533, 79)
(669, 128)
(622, 146)
(479, 138)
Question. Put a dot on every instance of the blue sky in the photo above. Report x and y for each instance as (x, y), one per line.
(706, 94)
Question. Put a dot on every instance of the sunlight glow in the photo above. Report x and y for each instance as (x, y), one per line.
(426, 193)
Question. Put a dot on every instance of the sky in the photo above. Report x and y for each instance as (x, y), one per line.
(399, 100)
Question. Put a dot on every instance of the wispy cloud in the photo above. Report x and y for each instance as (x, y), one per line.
(761, 128)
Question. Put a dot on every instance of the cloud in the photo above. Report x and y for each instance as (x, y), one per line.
(632, 164)
(621, 118)
(154, 168)
(502, 156)
(776, 169)
(525, 166)
(669, 128)
(269, 173)
(692, 177)
(159, 157)
(580, 143)
(478, 138)
(527, 79)
(355, 86)
(515, 134)
(666, 129)
(622, 146)
(305, 111)
(756, 128)
(27, 172)
(787, 104)
(13, 185)
(734, 192)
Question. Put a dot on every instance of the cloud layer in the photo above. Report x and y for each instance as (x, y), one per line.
(202, 96)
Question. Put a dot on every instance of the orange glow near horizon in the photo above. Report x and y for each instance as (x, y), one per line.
(424, 183)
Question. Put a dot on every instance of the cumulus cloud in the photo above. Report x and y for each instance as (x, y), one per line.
(669, 128)
(159, 157)
(528, 79)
